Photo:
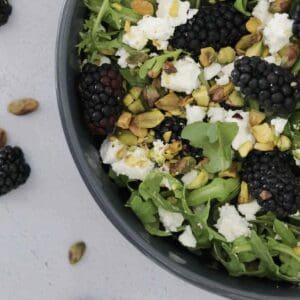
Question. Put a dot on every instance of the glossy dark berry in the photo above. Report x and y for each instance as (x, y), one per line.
(101, 92)
(175, 126)
(215, 26)
(276, 89)
(14, 170)
(5, 11)
(272, 181)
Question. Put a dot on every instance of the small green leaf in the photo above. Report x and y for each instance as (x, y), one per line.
(220, 189)
(285, 233)
(241, 6)
(215, 139)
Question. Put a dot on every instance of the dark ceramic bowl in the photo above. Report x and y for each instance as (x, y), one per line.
(164, 252)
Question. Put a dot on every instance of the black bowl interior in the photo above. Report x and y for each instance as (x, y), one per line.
(166, 253)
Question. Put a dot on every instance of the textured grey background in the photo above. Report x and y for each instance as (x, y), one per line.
(39, 221)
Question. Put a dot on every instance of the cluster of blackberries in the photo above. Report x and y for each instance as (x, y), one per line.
(215, 26)
(276, 89)
(101, 92)
(5, 11)
(175, 126)
(296, 25)
(272, 182)
(14, 170)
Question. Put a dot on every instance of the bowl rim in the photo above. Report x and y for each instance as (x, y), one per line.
(86, 174)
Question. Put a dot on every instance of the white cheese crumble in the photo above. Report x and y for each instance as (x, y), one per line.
(216, 114)
(189, 177)
(135, 165)
(194, 113)
(241, 118)
(212, 71)
(166, 183)
(135, 38)
(158, 151)
(185, 79)
(261, 12)
(273, 60)
(278, 31)
(104, 60)
(230, 224)
(222, 80)
(175, 11)
(122, 61)
(279, 124)
(187, 238)
(249, 210)
(224, 74)
(170, 220)
(156, 28)
(109, 150)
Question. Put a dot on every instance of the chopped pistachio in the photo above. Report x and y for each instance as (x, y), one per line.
(182, 166)
(235, 99)
(167, 136)
(139, 132)
(244, 196)
(76, 252)
(280, 6)
(201, 96)
(255, 50)
(296, 250)
(136, 107)
(289, 55)
(124, 120)
(284, 143)
(253, 24)
(247, 41)
(231, 172)
(226, 55)
(207, 56)
(245, 148)
(149, 119)
(127, 137)
(201, 180)
(263, 133)
(264, 146)
(168, 103)
(256, 117)
(150, 95)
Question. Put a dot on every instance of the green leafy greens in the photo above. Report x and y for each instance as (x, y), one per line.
(215, 139)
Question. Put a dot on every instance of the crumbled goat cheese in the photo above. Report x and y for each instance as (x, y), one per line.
(175, 11)
(104, 60)
(135, 38)
(244, 134)
(170, 220)
(192, 12)
(122, 61)
(185, 79)
(216, 114)
(187, 238)
(135, 165)
(261, 12)
(109, 150)
(279, 124)
(158, 151)
(227, 69)
(277, 32)
(273, 60)
(222, 80)
(212, 71)
(249, 210)
(230, 224)
(189, 177)
(194, 113)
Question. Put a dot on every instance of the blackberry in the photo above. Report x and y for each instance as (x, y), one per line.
(175, 126)
(5, 11)
(101, 92)
(296, 24)
(276, 89)
(215, 26)
(271, 181)
(14, 170)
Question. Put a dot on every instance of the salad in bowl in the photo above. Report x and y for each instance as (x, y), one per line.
(196, 108)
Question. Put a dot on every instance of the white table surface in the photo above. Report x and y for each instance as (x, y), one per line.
(39, 221)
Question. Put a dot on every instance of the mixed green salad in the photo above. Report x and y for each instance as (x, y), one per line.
(196, 105)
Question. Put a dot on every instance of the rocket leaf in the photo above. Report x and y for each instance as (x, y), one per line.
(215, 140)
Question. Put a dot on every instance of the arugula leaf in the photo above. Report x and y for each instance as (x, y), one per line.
(215, 139)
(149, 189)
(156, 63)
(133, 79)
(262, 251)
(220, 189)
(285, 233)
(120, 180)
(241, 6)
